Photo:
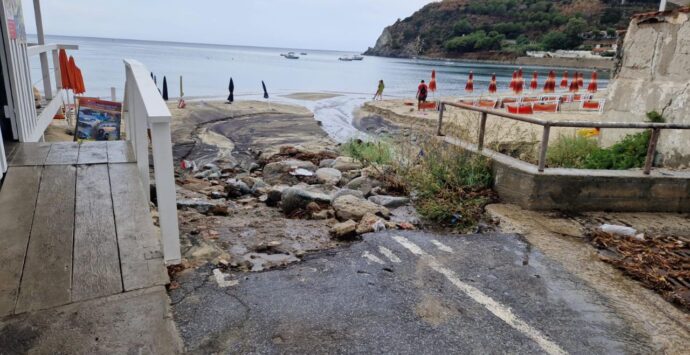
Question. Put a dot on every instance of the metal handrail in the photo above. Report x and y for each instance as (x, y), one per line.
(547, 124)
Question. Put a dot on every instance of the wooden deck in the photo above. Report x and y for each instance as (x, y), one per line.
(75, 225)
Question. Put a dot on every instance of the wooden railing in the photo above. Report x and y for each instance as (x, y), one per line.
(145, 109)
(656, 129)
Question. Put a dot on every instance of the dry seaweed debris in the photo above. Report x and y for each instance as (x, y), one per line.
(659, 262)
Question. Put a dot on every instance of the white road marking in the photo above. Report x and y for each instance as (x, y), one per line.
(373, 258)
(502, 312)
(220, 279)
(389, 254)
(442, 246)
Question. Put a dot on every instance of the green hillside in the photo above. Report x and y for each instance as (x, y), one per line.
(504, 28)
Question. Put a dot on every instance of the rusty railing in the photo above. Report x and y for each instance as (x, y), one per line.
(656, 129)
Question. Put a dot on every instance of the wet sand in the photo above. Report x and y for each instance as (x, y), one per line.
(311, 96)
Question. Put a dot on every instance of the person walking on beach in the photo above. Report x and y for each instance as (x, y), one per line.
(422, 91)
(379, 91)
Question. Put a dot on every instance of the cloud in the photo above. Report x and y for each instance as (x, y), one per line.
(317, 24)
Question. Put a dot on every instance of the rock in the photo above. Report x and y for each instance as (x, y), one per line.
(275, 194)
(346, 164)
(217, 195)
(295, 198)
(320, 215)
(363, 184)
(343, 192)
(259, 187)
(350, 207)
(349, 176)
(366, 225)
(202, 206)
(326, 163)
(279, 172)
(237, 188)
(219, 210)
(389, 201)
(313, 207)
(329, 176)
(344, 230)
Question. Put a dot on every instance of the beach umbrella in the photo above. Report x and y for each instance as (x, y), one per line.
(550, 84)
(165, 88)
(593, 87)
(574, 87)
(432, 83)
(513, 81)
(72, 74)
(469, 87)
(181, 89)
(231, 89)
(265, 91)
(520, 73)
(534, 84)
(80, 88)
(581, 80)
(564, 81)
(492, 85)
(180, 102)
(519, 86)
(64, 65)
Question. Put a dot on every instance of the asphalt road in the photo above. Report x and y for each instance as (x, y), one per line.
(404, 293)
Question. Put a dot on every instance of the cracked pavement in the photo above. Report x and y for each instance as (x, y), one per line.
(407, 293)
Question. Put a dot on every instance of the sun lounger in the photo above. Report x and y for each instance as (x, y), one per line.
(521, 109)
(546, 107)
(593, 105)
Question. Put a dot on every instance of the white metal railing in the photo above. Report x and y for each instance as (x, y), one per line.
(145, 109)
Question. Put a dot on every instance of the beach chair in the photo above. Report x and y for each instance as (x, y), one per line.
(468, 101)
(427, 105)
(530, 99)
(546, 106)
(549, 97)
(593, 105)
(509, 100)
(486, 103)
(520, 108)
(566, 98)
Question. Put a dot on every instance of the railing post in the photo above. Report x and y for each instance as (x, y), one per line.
(56, 66)
(45, 69)
(441, 109)
(651, 150)
(139, 120)
(482, 129)
(544, 147)
(165, 190)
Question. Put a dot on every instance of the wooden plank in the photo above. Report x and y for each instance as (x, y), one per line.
(10, 148)
(93, 153)
(47, 277)
(30, 154)
(120, 152)
(17, 203)
(63, 153)
(96, 267)
(141, 255)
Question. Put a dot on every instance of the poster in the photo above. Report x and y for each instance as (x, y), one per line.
(98, 120)
(15, 19)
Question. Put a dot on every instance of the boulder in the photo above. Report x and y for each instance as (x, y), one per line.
(260, 187)
(350, 207)
(346, 164)
(236, 188)
(202, 206)
(326, 163)
(343, 192)
(389, 201)
(295, 198)
(344, 230)
(275, 194)
(329, 176)
(279, 172)
(363, 184)
(370, 223)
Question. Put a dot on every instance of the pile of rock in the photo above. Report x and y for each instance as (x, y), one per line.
(340, 189)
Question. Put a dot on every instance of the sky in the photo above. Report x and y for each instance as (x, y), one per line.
(308, 24)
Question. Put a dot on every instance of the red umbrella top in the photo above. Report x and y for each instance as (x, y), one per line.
(534, 84)
(593, 87)
(492, 85)
(564, 81)
(550, 84)
(513, 81)
(470, 83)
(574, 85)
(581, 80)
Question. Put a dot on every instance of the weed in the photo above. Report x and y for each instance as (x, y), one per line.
(571, 152)
(368, 153)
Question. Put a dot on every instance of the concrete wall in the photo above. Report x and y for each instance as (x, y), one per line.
(654, 75)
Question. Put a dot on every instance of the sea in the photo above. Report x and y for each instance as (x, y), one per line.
(206, 70)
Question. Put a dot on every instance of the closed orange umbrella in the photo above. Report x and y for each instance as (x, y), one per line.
(534, 84)
(469, 87)
(513, 81)
(564, 81)
(432, 83)
(492, 85)
(72, 73)
(64, 66)
(593, 87)
(80, 82)
(581, 80)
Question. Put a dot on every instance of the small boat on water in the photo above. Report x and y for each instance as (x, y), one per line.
(351, 58)
(303, 53)
(357, 57)
(345, 59)
(290, 55)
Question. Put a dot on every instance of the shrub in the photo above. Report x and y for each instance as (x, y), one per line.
(368, 152)
(571, 152)
(554, 40)
(629, 153)
(449, 187)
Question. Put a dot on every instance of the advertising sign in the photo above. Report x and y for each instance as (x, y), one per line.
(98, 120)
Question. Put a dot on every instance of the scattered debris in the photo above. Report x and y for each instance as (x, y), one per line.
(660, 262)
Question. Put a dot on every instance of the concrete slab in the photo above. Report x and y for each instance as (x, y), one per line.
(135, 322)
